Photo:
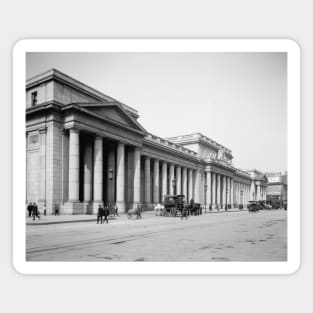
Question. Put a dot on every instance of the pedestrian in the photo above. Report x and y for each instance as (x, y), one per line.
(100, 214)
(35, 211)
(56, 210)
(44, 209)
(30, 209)
(106, 213)
(184, 212)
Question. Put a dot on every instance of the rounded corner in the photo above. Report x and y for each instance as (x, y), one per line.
(17, 268)
(295, 268)
(293, 44)
(19, 44)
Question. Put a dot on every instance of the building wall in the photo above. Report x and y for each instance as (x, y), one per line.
(33, 166)
(44, 93)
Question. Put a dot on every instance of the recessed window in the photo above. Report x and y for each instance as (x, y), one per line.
(34, 98)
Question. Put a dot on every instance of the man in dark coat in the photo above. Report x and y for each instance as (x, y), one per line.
(100, 214)
(30, 209)
(35, 211)
(106, 213)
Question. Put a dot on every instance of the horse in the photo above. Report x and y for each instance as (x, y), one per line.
(158, 209)
(135, 211)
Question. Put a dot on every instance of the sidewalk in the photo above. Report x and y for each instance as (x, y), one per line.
(62, 219)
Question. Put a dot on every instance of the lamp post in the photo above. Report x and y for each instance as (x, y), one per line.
(174, 186)
(205, 190)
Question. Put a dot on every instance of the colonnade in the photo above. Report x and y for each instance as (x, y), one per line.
(219, 191)
(132, 177)
(168, 178)
(124, 164)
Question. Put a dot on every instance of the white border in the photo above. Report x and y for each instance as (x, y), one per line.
(156, 45)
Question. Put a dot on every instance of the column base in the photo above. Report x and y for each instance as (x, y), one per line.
(72, 208)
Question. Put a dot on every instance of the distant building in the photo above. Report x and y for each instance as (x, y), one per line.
(84, 148)
(276, 189)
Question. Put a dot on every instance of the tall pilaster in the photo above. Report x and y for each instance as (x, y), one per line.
(164, 180)
(258, 197)
(171, 178)
(42, 196)
(224, 191)
(98, 172)
(197, 186)
(120, 177)
(88, 172)
(218, 191)
(178, 180)
(213, 191)
(190, 184)
(73, 193)
(156, 181)
(147, 180)
(208, 200)
(184, 182)
(136, 176)
(111, 174)
(252, 191)
(232, 192)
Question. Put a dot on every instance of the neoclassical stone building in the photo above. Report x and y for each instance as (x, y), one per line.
(84, 148)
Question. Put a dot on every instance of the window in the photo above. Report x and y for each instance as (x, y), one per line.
(34, 98)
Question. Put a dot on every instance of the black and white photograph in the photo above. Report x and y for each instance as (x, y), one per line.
(145, 157)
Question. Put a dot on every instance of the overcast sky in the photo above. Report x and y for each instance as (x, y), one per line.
(237, 99)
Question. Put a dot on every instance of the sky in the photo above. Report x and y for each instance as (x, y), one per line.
(236, 99)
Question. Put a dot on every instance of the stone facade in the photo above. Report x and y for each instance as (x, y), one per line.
(85, 149)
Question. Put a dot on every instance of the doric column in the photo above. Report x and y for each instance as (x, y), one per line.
(136, 176)
(42, 133)
(228, 191)
(252, 191)
(208, 190)
(98, 170)
(190, 184)
(218, 190)
(120, 177)
(197, 186)
(164, 180)
(184, 182)
(147, 181)
(232, 192)
(213, 191)
(258, 197)
(171, 177)
(178, 180)
(88, 172)
(224, 191)
(156, 181)
(111, 174)
(73, 178)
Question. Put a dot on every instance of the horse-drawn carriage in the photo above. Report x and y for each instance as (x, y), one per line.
(173, 205)
(194, 208)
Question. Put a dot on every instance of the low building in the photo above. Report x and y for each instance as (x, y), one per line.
(276, 189)
(85, 148)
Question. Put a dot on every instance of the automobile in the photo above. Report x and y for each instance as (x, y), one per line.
(173, 204)
(253, 206)
(261, 205)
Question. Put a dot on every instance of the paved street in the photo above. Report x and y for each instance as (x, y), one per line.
(232, 236)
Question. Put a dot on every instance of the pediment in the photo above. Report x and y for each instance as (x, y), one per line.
(116, 114)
